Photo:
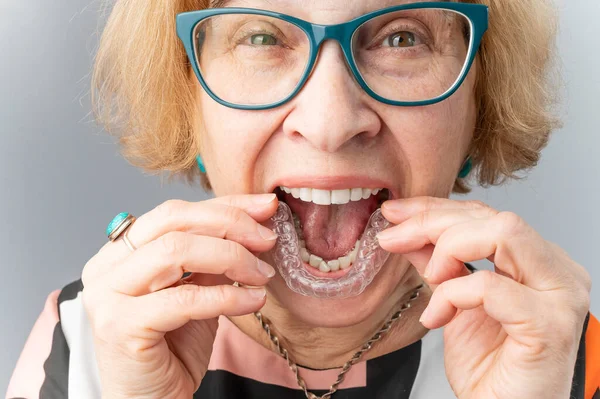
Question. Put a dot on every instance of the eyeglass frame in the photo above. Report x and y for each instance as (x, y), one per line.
(476, 14)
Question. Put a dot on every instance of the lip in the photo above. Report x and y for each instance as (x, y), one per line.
(333, 183)
(332, 275)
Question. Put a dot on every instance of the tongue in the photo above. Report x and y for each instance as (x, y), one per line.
(330, 231)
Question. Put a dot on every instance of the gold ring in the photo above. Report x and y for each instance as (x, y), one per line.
(127, 241)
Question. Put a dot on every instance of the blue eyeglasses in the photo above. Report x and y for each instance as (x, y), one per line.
(407, 55)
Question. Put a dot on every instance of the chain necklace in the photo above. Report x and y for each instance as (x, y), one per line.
(348, 365)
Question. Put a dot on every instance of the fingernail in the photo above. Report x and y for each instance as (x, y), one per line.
(424, 315)
(392, 205)
(263, 199)
(266, 234)
(265, 269)
(428, 270)
(256, 293)
(385, 235)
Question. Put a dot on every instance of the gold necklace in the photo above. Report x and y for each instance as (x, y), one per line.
(348, 365)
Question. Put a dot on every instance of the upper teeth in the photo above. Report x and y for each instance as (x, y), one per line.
(328, 197)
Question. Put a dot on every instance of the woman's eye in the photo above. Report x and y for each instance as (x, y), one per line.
(263, 39)
(400, 39)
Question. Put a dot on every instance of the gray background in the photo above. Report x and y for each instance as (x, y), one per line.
(61, 179)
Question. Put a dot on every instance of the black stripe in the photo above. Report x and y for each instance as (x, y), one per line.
(70, 291)
(388, 377)
(578, 385)
(393, 375)
(56, 368)
(470, 267)
(597, 394)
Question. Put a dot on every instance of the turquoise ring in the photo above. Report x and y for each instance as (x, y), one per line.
(118, 225)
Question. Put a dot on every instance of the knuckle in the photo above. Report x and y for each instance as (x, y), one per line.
(423, 219)
(85, 273)
(429, 203)
(233, 215)
(186, 295)
(103, 320)
(236, 251)
(221, 295)
(488, 279)
(170, 207)
(510, 223)
(581, 300)
(92, 268)
(476, 204)
(585, 278)
(173, 244)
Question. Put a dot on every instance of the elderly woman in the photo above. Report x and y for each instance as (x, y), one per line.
(332, 134)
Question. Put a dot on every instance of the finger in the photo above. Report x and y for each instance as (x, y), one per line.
(513, 305)
(515, 248)
(214, 218)
(208, 218)
(420, 259)
(399, 210)
(423, 230)
(161, 263)
(426, 227)
(259, 207)
(170, 309)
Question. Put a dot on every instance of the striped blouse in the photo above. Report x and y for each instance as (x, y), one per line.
(58, 361)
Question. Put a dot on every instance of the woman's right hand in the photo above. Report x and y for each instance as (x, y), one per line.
(153, 332)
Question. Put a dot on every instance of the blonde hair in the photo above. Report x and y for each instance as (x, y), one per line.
(143, 91)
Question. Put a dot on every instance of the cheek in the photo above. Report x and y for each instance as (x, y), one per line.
(434, 139)
(231, 141)
(224, 146)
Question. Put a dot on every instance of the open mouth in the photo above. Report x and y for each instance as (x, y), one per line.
(329, 224)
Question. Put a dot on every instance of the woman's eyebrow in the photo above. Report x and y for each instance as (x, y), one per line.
(218, 3)
(223, 3)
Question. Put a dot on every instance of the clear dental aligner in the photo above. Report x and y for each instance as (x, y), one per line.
(286, 255)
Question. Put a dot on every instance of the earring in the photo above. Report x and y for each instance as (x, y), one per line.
(200, 164)
(466, 168)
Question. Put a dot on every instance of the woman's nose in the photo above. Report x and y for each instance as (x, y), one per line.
(331, 109)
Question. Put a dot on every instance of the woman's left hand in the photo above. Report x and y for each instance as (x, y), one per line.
(509, 334)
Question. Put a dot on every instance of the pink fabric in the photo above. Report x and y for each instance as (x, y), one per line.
(28, 377)
(237, 353)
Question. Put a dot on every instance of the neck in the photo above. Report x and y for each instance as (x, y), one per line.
(335, 346)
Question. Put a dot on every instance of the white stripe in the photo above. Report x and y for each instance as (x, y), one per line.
(431, 380)
(84, 380)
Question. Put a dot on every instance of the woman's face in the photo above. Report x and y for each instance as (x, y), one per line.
(332, 135)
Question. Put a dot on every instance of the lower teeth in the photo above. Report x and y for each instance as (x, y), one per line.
(317, 262)
(288, 256)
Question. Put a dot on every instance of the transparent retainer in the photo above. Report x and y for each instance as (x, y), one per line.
(286, 255)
